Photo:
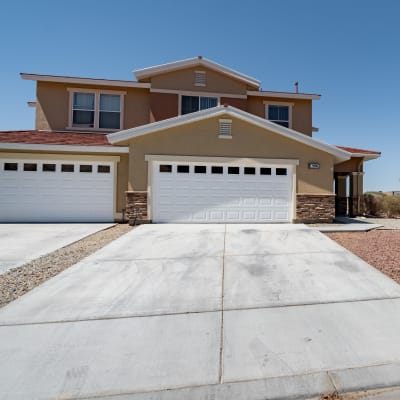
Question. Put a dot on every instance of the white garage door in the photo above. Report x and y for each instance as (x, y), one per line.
(56, 191)
(205, 192)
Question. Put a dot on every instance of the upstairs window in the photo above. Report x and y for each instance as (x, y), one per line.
(196, 103)
(279, 113)
(96, 110)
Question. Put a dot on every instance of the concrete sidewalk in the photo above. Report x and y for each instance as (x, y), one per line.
(205, 311)
(21, 243)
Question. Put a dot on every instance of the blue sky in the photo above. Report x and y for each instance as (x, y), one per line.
(348, 51)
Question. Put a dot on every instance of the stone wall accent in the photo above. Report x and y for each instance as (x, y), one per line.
(136, 207)
(315, 208)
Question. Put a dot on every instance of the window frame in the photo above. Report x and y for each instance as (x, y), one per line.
(97, 93)
(197, 94)
(290, 106)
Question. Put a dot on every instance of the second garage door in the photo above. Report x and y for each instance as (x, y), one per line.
(213, 192)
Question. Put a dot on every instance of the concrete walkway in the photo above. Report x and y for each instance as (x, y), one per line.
(21, 243)
(236, 312)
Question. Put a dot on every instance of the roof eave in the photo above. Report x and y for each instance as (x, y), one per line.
(63, 148)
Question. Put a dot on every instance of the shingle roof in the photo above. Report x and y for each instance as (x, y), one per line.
(358, 151)
(58, 138)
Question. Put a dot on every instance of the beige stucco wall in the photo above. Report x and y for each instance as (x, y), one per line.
(301, 111)
(184, 80)
(122, 166)
(249, 141)
(53, 106)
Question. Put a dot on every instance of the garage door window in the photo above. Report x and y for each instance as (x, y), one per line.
(200, 169)
(85, 168)
(103, 169)
(30, 167)
(165, 168)
(10, 166)
(233, 170)
(183, 169)
(281, 171)
(265, 171)
(217, 170)
(49, 167)
(249, 171)
(67, 168)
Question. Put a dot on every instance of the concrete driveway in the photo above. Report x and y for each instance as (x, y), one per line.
(238, 312)
(21, 243)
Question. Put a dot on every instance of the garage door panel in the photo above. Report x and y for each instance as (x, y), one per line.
(56, 196)
(211, 197)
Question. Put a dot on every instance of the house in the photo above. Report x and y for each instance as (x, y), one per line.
(187, 141)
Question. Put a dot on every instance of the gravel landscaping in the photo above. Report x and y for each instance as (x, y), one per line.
(16, 282)
(380, 248)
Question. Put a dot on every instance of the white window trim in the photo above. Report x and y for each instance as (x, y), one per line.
(197, 83)
(279, 103)
(196, 94)
(97, 94)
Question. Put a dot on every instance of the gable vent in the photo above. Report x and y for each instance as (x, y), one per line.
(199, 78)
(225, 128)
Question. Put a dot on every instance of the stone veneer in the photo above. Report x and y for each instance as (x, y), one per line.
(136, 207)
(315, 208)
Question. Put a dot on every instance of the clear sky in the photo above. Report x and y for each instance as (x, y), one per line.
(347, 51)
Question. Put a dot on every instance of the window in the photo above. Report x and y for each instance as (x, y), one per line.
(49, 167)
(200, 169)
(67, 168)
(10, 166)
(96, 110)
(103, 169)
(196, 103)
(30, 167)
(280, 113)
(233, 170)
(217, 170)
(85, 168)
(165, 168)
(281, 171)
(183, 169)
(265, 171)
(249, 171)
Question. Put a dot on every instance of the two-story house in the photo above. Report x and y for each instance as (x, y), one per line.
(188, 141)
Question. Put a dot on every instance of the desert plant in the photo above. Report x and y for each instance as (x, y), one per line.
(373, 204)
(391, 206)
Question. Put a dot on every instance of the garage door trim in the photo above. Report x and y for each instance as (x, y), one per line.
(255, 162)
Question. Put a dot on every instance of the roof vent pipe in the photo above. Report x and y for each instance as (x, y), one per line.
(296, 87)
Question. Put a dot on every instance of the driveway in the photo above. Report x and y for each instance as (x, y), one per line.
(21, 243)
(235, 312)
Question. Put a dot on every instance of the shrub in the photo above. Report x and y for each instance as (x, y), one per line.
(391, 205)
(380, 204)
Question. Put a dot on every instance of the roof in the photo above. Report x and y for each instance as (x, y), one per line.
(288, 95)
(57, 141)
(366, 154)
(116, 137)
(195, 62)
(83, 81)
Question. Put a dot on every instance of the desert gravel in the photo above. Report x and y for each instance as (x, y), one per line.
(18, 281)
(380, 248)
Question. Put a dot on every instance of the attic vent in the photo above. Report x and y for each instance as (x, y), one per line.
(225, 128)
(199, 78)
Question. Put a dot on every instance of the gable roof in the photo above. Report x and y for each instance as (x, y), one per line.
(195, 62)
(116, 137)
(365, 154)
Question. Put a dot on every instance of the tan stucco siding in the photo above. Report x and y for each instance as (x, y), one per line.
(355, 164)
(184, 80)
(163, 106)
(235, 102)
(53, 105)
(249, 141)
(301, 111)
(122, 166)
